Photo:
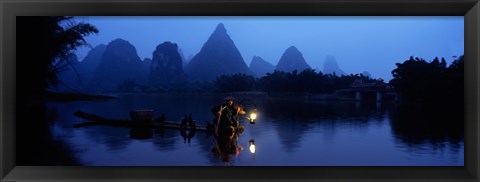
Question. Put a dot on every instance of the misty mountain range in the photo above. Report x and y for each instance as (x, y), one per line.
(117, 64)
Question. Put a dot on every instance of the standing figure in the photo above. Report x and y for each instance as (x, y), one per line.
(226, 116)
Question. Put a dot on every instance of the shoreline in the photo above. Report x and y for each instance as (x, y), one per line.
(68, 96)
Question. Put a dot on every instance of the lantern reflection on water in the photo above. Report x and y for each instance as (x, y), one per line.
(251, 146)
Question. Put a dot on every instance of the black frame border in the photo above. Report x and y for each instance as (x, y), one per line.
(9, 9)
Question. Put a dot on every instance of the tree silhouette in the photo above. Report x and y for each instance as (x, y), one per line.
(43, 47)
(307, 81)
(418, 80)
(235, 82)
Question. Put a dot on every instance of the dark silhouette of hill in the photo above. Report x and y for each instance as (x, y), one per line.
(70, 76)
(91, 62)
(88, 65)
(182, 56)
(146, 65)
(331, 67)
(166, 67)
(77, 75)
(260, 67)
(292, 59)
(119, 63)
(218, 56)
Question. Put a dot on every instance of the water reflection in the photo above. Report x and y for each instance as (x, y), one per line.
(294, 130)
(187, 137)
(226, 147)
(165, 140)
(37, 143)
(293, 118)
(417, 125)
(251, 146)
(114, 138)
(139, 132)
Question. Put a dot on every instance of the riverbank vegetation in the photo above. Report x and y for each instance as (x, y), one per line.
(418, 80)
(306, 81)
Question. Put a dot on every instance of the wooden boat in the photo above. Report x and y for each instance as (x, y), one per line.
(99, 120)
(96, 120)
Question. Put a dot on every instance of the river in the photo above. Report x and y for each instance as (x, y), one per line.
(289, 131)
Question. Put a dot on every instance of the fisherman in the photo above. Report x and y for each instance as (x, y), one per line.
(226, 116)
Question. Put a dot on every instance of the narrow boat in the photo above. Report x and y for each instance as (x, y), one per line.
(96, 120)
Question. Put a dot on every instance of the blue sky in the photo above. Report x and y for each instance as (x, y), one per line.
(368, 43)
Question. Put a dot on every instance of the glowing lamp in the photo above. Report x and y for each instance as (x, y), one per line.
(253, 116)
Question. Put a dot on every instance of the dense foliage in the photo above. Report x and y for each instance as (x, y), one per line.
(306, 81)
(414, 80)
(235, 82)
(419, 80)
(44, 44)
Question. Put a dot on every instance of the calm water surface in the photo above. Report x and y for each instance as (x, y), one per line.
(289, 131)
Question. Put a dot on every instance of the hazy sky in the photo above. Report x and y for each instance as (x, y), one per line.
(372, 44)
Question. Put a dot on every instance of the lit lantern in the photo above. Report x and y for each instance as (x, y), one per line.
(253, 116)
(251, 146)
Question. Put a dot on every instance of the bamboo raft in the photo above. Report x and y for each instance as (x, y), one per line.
(96, 120)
